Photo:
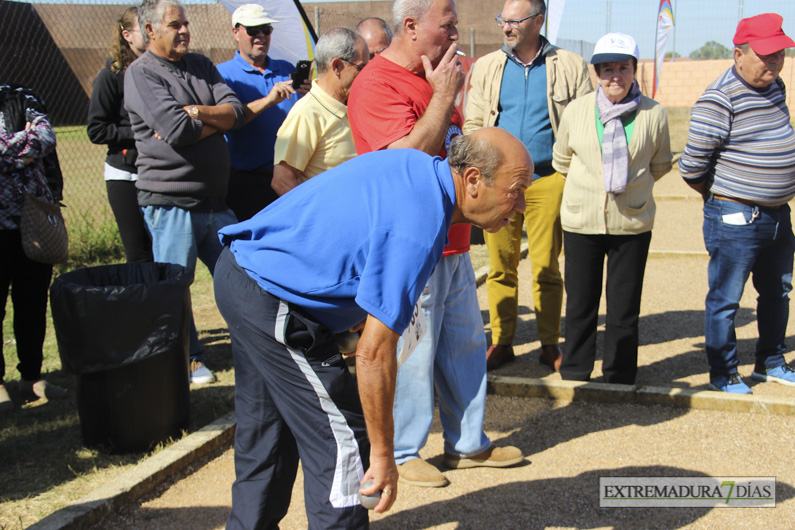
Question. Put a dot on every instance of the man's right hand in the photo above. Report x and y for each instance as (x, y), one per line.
(448, 77)
(384, 473)
(280, 91)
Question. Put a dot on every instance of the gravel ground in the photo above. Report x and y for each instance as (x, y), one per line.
(570, 445)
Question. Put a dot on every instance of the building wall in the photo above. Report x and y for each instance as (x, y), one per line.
(682, 82)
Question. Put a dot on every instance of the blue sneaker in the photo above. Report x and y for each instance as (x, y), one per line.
(783, 374)
(731, 384)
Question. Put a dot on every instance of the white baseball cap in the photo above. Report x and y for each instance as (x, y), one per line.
(614, 48)
(251, 15)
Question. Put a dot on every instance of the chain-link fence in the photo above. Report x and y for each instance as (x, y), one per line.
(58, 49)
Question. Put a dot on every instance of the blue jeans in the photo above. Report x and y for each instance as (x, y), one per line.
(744, 240)
(452, 357)
(180, 236)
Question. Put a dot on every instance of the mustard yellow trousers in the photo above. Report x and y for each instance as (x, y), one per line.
(545, 241)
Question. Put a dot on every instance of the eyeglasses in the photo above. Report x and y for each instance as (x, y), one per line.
(513, 23)
(373, 54)
(253, 31)
(357, 66)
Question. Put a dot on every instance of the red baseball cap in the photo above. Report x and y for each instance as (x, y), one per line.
(763, 33)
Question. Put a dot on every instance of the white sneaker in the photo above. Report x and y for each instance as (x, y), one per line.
(200, 374)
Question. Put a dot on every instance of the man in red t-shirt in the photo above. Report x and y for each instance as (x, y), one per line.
(405, 98)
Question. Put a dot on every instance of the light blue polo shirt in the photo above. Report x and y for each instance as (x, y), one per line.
(363, 237)
(251, 147)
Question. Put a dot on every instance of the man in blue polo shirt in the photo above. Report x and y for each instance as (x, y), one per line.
(262, 84)
(349, 250)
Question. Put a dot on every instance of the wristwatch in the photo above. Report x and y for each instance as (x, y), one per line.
(193, 112)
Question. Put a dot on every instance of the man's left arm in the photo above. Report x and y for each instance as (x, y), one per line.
(227, 113)
(475, 110)
(296, 142)
(286, 177)
(376, 370)
(583, 83)
(574, 70)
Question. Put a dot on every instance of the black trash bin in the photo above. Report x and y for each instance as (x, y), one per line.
(123, 331)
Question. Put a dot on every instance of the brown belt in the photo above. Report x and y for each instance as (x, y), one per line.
(745, 202)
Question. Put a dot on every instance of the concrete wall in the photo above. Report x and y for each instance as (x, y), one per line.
(682, 82)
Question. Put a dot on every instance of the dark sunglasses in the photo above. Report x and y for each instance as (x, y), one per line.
(253, 31)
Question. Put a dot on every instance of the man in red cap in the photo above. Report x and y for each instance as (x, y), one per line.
(740, 156)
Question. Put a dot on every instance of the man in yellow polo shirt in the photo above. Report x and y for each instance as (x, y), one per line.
(316, 135)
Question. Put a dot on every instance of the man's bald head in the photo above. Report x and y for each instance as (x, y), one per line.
(487, 149)
(491, 170)
(376, 33)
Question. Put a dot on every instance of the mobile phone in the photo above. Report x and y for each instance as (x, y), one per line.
(301, 73)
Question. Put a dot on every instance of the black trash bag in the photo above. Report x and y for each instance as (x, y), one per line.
(114, 315)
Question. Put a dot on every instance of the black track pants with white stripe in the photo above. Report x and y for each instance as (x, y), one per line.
(294, 398)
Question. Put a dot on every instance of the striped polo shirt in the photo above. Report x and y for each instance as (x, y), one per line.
(741, 138)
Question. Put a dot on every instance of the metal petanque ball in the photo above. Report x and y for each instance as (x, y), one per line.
(369, 501)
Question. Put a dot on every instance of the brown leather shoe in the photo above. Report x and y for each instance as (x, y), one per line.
(491, 457)
(418, 472)
(551, 356)
(498, 355)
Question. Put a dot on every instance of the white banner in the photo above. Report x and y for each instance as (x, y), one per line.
(554, 15)
(665, 25)
(291, 41)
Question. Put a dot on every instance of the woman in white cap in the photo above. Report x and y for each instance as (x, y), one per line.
(612, 145)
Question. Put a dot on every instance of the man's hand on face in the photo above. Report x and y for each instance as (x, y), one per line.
(448, 77)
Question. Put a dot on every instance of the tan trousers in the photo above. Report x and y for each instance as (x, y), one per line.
(545, 240)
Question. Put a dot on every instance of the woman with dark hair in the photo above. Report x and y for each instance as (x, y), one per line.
(108, 123)
(612, 146)
(27, 164)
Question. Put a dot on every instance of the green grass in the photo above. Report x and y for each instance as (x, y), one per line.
(93, 235)
(92, 243)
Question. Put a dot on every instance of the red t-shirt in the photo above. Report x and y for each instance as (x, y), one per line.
(386, 101)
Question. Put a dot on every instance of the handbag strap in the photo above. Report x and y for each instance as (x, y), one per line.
(25, 193)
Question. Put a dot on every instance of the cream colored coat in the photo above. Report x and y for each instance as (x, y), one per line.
(577, 155)
(567, 79)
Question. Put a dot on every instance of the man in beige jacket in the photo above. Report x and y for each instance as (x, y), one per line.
(524, 88)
